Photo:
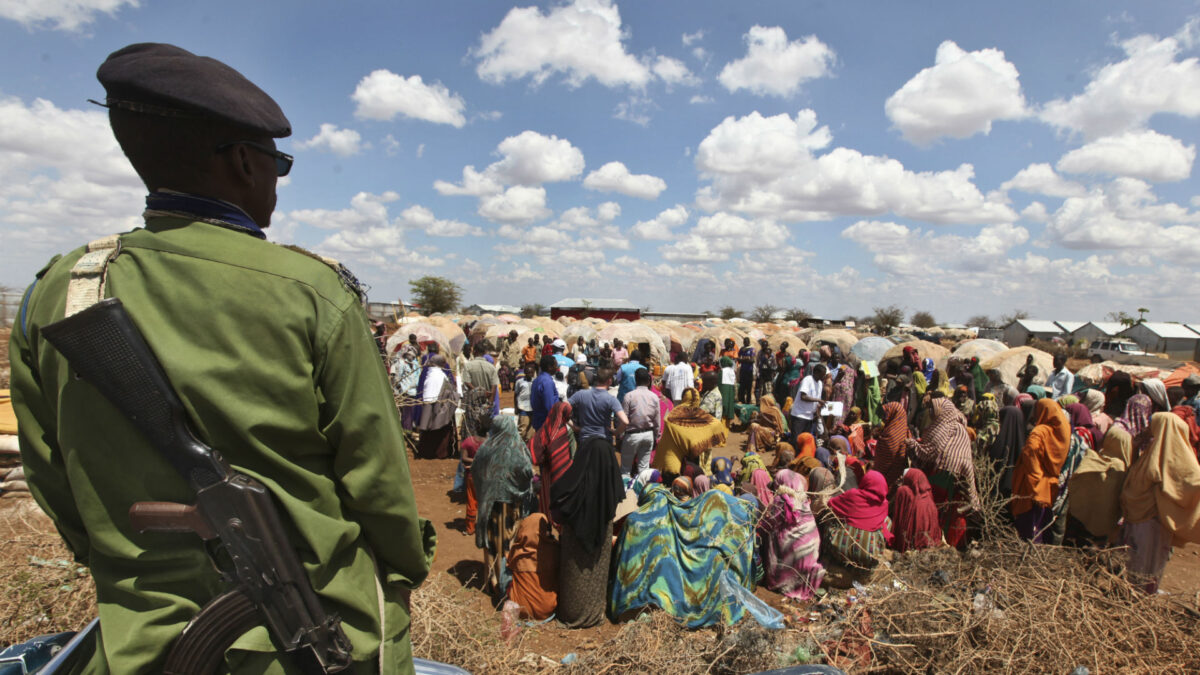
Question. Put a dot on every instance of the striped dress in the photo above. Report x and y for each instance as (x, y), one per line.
(791, 545)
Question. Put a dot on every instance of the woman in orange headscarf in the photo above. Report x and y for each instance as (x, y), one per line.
(1035, 478)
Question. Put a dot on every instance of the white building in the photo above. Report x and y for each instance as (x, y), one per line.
(1020, 332)
(1095, 330)
(491, 309)
(1175, 340)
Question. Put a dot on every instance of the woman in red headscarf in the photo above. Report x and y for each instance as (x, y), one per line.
(916, 522)
(856, 529)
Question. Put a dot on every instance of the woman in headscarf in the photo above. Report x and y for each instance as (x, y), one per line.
(552, 448)
(1161, 500)
(767, 426)
(916, 524)
(1094, 400)
(728, 387)
(586, 497)
(944, 453)
(941, 382)
(1136, 417)
(1188, 414)
(665, 406)
(688, 433)
(1096, 485)
(683, 488)
(869, 395)
(533, 563)
(1037, 391)
(928, 369)
(1035, 479)
(751, 462)
(963, 402)
(806, 445)
(721, 471)
(439, 397)
(1081, 443)
(979, 378)
(503, 476)
(759, 484)
(791, 542)
(784, 456)
(856, 529)
(1005, 450)
(843, 387)
(891, 451)
(1157, 391)
(1117, 392)
(700, 485)
(690, 397)
(987, 423)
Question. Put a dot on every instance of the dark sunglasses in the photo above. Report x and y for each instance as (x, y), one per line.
(283, 161)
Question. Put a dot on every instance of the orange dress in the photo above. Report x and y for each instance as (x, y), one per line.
(533, 562)
(1035, 478)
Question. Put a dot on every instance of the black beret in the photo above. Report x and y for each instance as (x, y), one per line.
(165, 80)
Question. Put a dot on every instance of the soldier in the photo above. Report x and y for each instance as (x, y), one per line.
(269, 349)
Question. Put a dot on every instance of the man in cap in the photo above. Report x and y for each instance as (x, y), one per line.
(272, 355)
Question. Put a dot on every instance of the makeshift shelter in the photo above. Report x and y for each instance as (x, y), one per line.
(871, 348)
(1096, 374)
(926, 350)
(425, 332)
(795, 344)
(1010, 362)
(844, 339)
(453, 332)
(636, 334)
(578, 330)
(982, 349)
(718, 335)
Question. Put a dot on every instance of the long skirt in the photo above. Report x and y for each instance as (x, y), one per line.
(501, 526)
(583, 580)
(1031, 525)
(850, 546)
(436, 443)
(728, 401)
(1149, 549)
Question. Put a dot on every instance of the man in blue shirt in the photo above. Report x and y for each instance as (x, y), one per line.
(544, 394)
(594, 410)
(1191, 392)
(625, 376)
(564, 363)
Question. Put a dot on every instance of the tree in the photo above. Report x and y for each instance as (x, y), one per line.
(436, 294)
(728, 312)
(980, 321)
(1015, 315)
(887, 318)
(923, 320)
(762, 313)
(798, 315)
(533, 309)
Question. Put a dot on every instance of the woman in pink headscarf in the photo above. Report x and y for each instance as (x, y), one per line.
(791, 542)
(856, 529)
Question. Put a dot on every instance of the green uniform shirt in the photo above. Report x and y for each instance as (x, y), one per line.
(275, 363)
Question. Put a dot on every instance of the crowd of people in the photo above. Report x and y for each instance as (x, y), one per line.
(611, 471)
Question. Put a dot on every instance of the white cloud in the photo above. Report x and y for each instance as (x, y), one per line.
(901, 251)
(340, 142)
(1126, 216)
(579, 40)
(1041, 179)
(700, 99)
(527, 160)
(1138, 154)
(660, 226)
(420, 150)
(1126, 94)
(517, 204)
(1035, 212)
(383, 94)
(367, 210)
(391, 146)
(530, 158)
(63, 179)
(581, 218)
(615, 177)
(673, 71)
(716, 236)
(768, 167)
(773, 66)
(608, 211)
(635, 109)
(66, 15)
(959, 96)
(689, 38)
(419, 217)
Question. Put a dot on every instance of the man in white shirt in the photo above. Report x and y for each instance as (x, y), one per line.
(677, 378)
(807, 401)
(1061, 380)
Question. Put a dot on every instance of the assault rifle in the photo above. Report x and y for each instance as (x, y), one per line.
(234, 514)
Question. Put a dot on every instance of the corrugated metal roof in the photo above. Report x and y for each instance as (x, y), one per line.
(1107, 327)
(1038, 326)
(1071, 326)
(1171, 330)
(595, 303)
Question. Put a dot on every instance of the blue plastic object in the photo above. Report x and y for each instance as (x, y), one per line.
(29, 657)
(732, 591)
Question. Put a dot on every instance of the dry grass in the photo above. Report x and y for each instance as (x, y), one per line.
(42, 590)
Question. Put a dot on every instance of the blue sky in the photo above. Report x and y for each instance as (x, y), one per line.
(959, 158)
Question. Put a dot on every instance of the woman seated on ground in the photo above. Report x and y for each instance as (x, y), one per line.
(1161, 500)
(503, 475)
(916, 522)
(688, 433)
(533, 563)
(791, 543)
(768, 426)
(720, 468)
(758, 484)
(856, 530)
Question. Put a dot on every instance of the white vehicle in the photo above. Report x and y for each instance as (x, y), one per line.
(1113, 350)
